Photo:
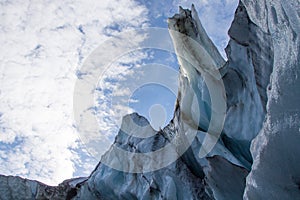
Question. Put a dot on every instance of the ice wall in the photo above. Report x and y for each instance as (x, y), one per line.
(256, 154)
(275, 171)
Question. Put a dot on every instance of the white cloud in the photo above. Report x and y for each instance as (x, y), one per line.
(117, 79)
(42, 45)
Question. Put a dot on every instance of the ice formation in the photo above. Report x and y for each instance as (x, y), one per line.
(257, 154)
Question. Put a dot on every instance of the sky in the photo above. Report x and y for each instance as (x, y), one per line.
(44, 46)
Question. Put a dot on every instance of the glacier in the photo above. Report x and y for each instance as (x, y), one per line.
(256, 153)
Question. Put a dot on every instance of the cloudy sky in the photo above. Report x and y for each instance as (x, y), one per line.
(44, 45)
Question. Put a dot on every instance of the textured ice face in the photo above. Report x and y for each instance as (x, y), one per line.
(275, 171)
(195, 51)
(179, 22)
